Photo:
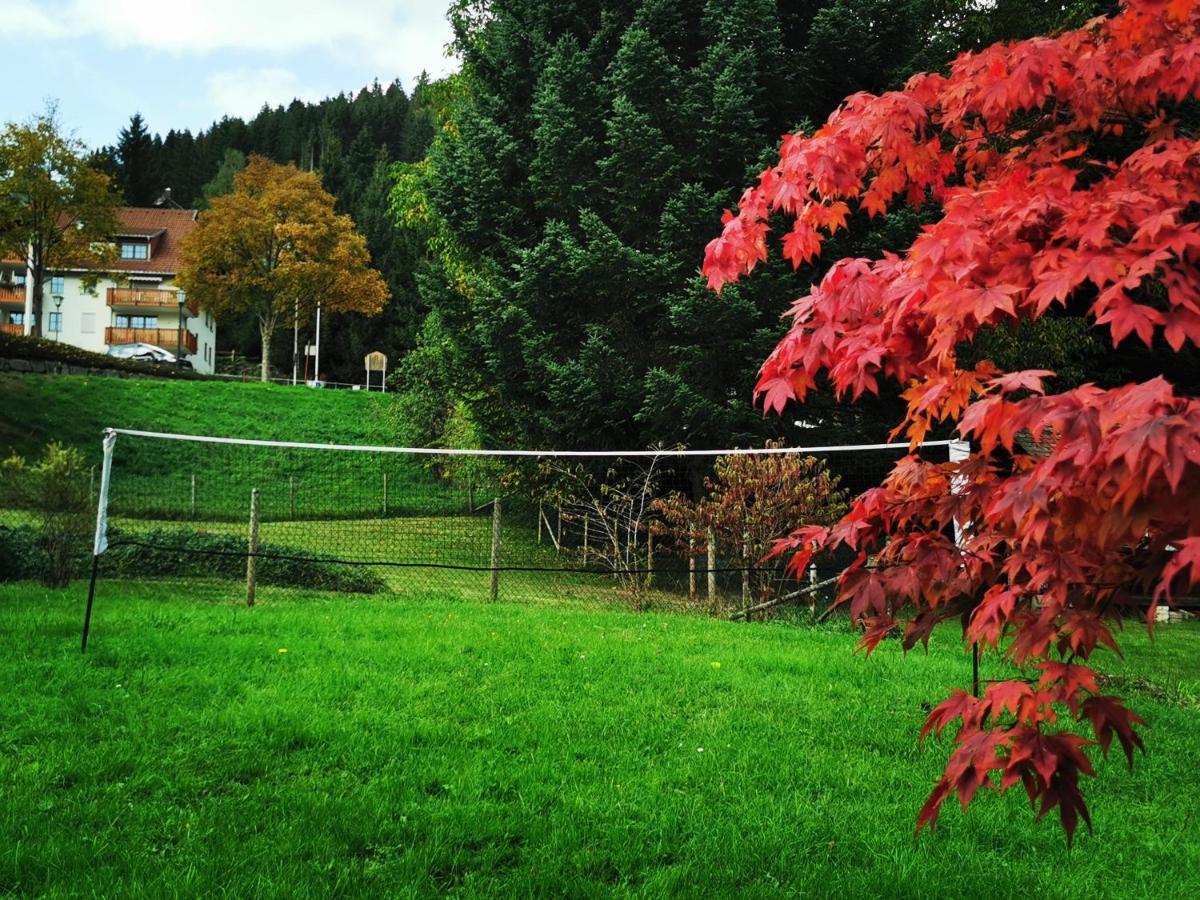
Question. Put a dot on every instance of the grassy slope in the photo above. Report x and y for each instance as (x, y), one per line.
(73, 410)
(157, 474)
(424, 747)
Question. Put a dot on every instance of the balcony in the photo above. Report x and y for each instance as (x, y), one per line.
(136, 298)
(12, 294)
(6, 328)
(159, 337)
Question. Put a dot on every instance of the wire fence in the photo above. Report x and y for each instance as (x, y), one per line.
(680, 530)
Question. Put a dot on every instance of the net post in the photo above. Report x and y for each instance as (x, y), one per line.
(494, 587)
(100, 538)
(712, 567)
(385, 495)
(252, 548)
(958, 452)
(540, 515)
(586, 522)
(558, 532)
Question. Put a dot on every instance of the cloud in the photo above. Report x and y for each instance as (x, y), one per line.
(242, 92)
(404, 36)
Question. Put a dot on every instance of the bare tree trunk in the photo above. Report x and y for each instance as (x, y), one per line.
(266, 327)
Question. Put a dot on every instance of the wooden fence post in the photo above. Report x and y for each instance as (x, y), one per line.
(745, 568)
(692, 568)
(649, 559)
(494, 591)
(252, 548)
(712, 566)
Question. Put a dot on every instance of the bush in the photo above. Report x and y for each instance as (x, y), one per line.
(181, 553)
(169, 553)
(57, 489)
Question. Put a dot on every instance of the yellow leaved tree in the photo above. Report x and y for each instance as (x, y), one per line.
(275, 247)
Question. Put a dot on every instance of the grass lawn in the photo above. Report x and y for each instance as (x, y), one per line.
(423, 746)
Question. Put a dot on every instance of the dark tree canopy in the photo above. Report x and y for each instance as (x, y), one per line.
(592, 145)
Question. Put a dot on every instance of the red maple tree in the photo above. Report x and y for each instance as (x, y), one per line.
(1063, 176)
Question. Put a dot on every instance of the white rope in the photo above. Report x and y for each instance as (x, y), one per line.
(552, 454)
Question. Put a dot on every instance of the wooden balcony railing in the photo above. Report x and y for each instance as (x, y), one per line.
(148, 299)
(159, 337)
(12, 293)
(6, 328)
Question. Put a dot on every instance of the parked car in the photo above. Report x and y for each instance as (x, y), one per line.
(147, 353)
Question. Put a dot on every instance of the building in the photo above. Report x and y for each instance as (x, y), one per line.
(134, 301)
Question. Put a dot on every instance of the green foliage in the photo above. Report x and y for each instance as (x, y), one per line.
(137, 170)
(56, 490)
(55, 209)
(577, 124)
(422, 746)
(221, 183)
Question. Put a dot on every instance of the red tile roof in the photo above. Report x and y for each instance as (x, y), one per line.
(164, 228)
(170, 225)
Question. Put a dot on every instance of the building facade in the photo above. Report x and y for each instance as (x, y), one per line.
(134, 301)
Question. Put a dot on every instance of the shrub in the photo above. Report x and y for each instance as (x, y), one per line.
(57, 489)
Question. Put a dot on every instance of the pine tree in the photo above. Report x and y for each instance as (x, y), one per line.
(137, 164)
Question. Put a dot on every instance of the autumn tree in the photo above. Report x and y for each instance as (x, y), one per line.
(1065, 172)
(275, 247)
(55, 209)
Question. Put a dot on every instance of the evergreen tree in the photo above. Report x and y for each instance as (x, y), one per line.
(138, 164)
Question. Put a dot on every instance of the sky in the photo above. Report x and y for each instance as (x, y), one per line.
(186, 63)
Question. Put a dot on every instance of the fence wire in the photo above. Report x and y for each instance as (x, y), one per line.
(246, 521)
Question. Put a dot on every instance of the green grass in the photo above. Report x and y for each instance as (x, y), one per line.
(423, 746)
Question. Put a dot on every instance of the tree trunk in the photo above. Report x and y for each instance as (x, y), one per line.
(265, 330)
(35, 326)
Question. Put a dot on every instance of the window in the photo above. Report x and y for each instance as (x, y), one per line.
(87, 323)
(16, 318)
(135, 251)
(55, 323)
(56, 284)
(137, 322)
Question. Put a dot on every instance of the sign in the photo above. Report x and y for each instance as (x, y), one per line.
(376, 362)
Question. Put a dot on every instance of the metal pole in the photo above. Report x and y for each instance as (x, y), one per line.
(87, 614)
(558, 531)
(317, 355)
(541, 516)
(295, 339)
(292, 496)
(192, 505)
(385, 495)
(586, 522)
(494, 588)
(252, 549)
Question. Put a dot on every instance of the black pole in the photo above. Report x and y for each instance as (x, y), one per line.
(975, 669)
(87, 616)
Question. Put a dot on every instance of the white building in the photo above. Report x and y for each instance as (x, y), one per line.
(135, 301)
